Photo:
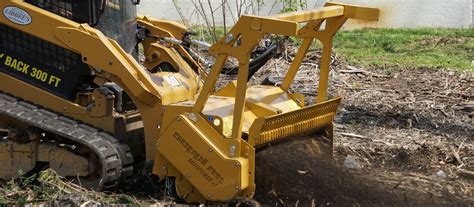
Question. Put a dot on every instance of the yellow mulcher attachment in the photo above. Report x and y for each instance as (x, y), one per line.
(209, 145)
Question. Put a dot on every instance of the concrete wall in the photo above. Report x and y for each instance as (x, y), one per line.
(394, 13)
(419, 13)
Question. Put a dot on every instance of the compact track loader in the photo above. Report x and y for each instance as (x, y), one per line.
(76, 97)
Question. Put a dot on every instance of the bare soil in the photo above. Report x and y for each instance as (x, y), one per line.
(411, 131)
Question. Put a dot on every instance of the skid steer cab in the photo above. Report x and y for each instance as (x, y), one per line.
(117, 19)
(210, 143)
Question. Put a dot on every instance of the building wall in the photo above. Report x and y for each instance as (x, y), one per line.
(394, 13)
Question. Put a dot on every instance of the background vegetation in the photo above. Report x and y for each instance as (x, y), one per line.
(408, 48)
(387, 48)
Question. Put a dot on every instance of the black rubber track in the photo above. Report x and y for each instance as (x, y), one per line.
(115, 158)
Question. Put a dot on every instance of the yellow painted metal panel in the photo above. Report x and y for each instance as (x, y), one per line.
(214, 174)
(305, 16)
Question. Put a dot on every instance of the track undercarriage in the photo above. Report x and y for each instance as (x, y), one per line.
(35, 138)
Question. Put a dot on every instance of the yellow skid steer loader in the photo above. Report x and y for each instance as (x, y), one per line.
(77, 97)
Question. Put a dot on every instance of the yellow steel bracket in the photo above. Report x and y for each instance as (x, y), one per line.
(239, 43)
(249, 30)
(312, 30)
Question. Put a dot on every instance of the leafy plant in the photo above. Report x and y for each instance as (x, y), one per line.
(292, 5)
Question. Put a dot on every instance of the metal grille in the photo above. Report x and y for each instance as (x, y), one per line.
(21, 43)
(312, 118)
(61, 7)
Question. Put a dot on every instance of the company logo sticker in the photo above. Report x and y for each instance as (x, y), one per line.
(17, 15)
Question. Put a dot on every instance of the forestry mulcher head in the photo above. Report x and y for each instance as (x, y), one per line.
(208, 144)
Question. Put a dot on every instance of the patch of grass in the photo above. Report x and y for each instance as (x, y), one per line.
(408, 48)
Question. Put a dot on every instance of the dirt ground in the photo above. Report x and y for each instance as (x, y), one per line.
(411, 132)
